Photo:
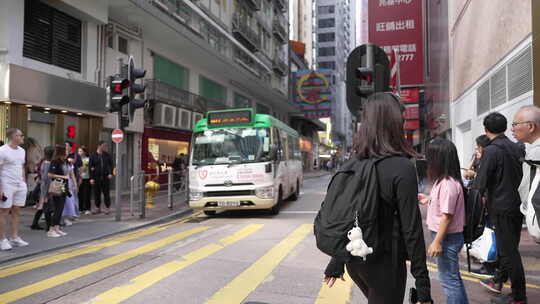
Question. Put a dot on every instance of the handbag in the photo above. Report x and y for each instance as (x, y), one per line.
(56, 187)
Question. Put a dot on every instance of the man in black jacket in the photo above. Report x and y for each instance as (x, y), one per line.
(498, 178)
(101, 168)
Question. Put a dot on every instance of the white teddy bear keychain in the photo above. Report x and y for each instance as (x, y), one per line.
(356, 245)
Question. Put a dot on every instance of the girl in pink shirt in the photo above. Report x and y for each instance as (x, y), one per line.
(446, 216)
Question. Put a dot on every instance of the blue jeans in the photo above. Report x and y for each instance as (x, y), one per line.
(448, 264)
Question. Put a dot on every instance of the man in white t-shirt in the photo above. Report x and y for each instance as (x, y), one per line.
(13, 187)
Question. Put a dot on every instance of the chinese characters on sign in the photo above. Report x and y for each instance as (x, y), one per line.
(397, 25)
(393, 2)
(390, 26)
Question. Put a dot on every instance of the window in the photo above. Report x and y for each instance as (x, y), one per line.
(327, 51)
(327, 22)
(51, 36)
(212, 90)
(482, 98)
(171, 73)
(326, 37)
(241, 101)
(327, 65)
(123, 45)
(326, 9)
(262, 109)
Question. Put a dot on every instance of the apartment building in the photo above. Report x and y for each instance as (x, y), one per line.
(335, 39)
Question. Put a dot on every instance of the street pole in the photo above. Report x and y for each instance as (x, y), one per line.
(119, 169)
(398, 72)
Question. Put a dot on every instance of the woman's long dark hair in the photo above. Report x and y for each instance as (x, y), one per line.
(381, 130)
(59, 152)
(442, 161)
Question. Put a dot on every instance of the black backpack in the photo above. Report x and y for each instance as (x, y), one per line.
(354, 189)
(475, 218)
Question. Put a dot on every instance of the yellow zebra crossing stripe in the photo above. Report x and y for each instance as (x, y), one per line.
(245, 283)
(340, 293)
(141, 282)
(58, 257)
(60, 279)
(465, 275)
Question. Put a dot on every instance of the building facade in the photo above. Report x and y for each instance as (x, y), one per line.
(489, 71)
(335, 39)
(55, 57)
(302, 27)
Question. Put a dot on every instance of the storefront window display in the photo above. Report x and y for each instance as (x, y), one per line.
(163, 152)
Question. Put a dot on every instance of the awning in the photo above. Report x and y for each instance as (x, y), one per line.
(317, 124)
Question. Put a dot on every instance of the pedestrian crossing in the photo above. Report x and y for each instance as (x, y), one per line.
(237, 289)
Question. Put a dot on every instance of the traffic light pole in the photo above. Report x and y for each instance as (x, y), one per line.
(119, 169)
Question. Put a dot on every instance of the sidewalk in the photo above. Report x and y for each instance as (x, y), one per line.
(316, 173)
(90, 227)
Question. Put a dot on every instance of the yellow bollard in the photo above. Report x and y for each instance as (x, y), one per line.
(151, 188)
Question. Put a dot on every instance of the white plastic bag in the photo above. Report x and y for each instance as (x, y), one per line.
(485, 247)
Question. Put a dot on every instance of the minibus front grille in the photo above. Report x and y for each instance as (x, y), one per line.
(229, 193)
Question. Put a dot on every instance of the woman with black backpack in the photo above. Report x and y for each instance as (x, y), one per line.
(382, 277)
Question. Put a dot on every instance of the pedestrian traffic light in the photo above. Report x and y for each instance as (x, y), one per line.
(116, 97)
(135, 88)
(368, 72)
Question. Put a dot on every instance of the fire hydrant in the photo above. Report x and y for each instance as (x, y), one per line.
(151, 188)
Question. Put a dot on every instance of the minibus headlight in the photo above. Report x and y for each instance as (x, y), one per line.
(265, 192)
(195, 195)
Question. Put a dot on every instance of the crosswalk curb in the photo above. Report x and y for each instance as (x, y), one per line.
(179, 215)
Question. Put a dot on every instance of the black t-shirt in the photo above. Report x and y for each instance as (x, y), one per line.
(57, 167)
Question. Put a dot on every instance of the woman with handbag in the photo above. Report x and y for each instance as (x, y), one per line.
(58, 189)
(383, 279)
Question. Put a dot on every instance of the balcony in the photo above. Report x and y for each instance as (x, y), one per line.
(177, 9)
(279, 65)
(245, 34)
(163, 92)
(280, 29)
(281, 5)
(254, 4)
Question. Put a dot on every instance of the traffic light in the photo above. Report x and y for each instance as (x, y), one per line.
(116, 98)
(368, 71)
(135, 88)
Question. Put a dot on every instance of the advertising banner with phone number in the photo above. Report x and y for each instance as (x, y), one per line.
(397, 24)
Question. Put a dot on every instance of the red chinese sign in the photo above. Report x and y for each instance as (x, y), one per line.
(410, 95)
(412, 112)
(411, 125)
(397, 25)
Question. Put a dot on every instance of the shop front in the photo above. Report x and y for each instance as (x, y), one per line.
(161, 147)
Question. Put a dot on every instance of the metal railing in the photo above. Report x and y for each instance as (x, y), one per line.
(169, 94)
(255, 4)
(280, 28)
(173, 186)
(242, 28)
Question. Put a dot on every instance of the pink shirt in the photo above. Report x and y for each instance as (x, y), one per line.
(446, 197)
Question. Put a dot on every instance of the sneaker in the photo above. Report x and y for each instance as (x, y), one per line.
(53, 234)
(506, 299)
(482, 272)
(61, 233)
(491, 285)
(68, 222)
(18, 242)
(87, 212)
(5, 245)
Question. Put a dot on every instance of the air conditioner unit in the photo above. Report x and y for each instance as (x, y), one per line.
(196, 118)
(183, 119)
(164, 115)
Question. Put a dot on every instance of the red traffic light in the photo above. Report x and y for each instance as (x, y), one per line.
(118, 86)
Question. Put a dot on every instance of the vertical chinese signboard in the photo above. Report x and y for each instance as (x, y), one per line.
(397, 24)
(313, 92)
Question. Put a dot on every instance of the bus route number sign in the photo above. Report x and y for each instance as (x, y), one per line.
(217, 119)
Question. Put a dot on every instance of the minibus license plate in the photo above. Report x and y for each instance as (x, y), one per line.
(228, 204)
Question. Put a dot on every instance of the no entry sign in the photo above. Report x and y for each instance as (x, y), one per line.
(117, 136)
